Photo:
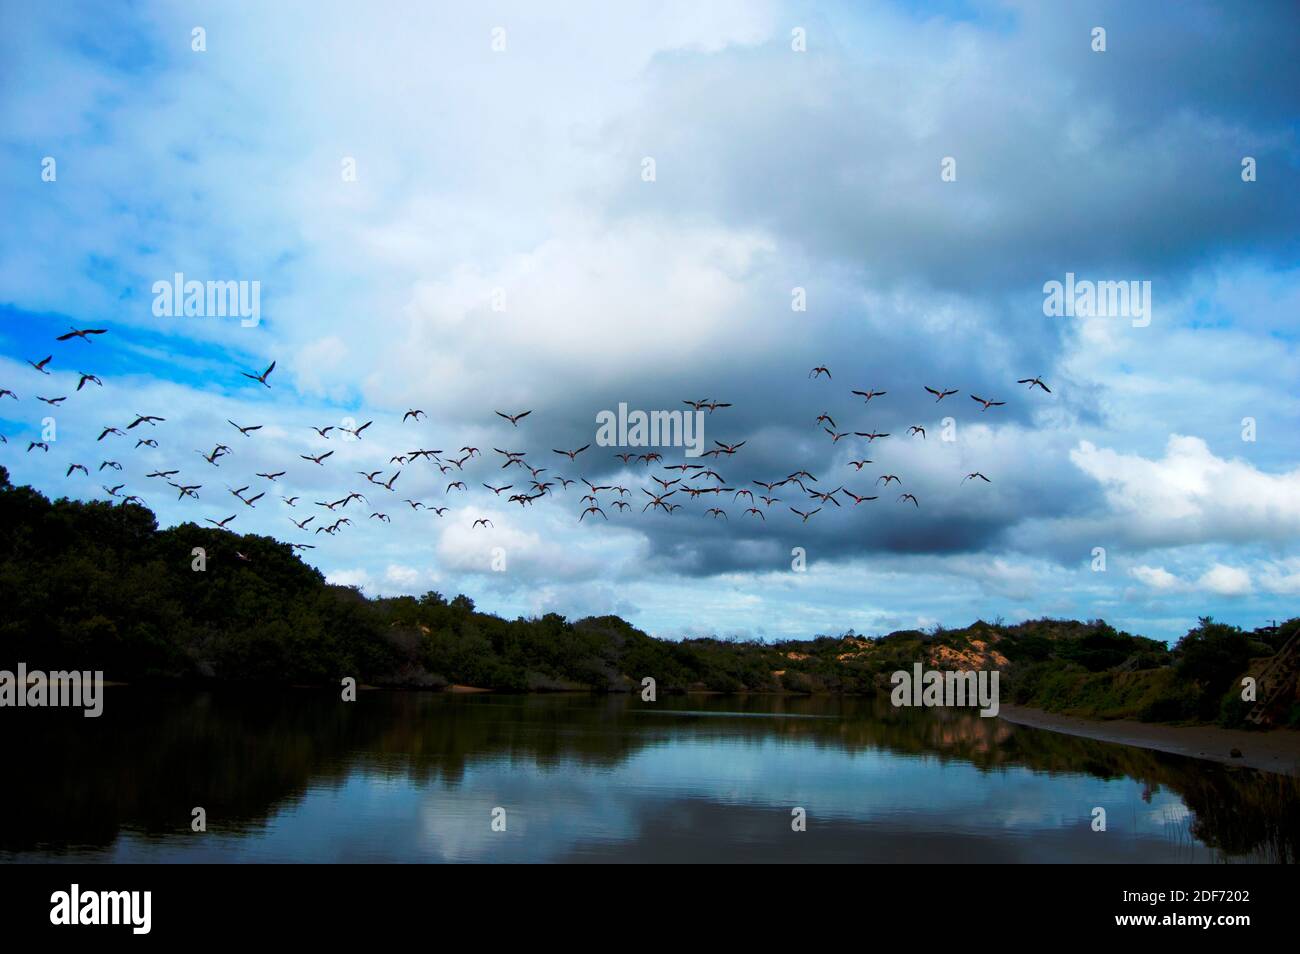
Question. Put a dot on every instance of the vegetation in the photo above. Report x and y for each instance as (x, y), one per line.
(98, 586)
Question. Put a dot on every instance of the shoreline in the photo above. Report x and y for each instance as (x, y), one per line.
(1275, 750)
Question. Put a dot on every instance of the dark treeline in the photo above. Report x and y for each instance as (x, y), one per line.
(94, 585)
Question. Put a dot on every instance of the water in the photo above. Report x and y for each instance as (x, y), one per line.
(297, 775)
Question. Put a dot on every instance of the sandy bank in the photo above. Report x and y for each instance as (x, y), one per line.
(1276, 750)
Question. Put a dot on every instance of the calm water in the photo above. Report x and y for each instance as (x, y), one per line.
(300, 776)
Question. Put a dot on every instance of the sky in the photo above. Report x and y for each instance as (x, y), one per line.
(471, 208)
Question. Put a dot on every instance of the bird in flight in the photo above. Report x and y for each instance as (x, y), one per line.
(317, 459)
(356, 432)
(163, 473)
(940, 395)
(514, 419)
(757, 513)
(260, 378)
(221, 524)
(323, 431)
(303, 525)
(917, 429)
(1035, 382)
(856, 499)
(40, 365)
(146, 442)
(655, 501)
(888, 479)
(82, 334)
(415, 413)
(110, 430)
(88, 377)
(572, 455)
(150, 419)
(805, 515)
(482, 522)
(987, 404)
(498, 490)
(80, 467)
(818, 371)
(910, 497)
(55, 402)
(41, 444)
(244, 430)
(869, 436)
(110, 463)
(869, 394)
(593, 509)
(5, 392)
(976, 475)
(730, 448)
(271, 477)
(859, 464)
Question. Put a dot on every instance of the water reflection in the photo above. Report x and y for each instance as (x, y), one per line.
(300, 776)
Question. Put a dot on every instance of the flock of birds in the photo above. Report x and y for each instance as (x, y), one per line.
(517, 473)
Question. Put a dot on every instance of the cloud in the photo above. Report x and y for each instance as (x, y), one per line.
(1192, 496)
(519, 173)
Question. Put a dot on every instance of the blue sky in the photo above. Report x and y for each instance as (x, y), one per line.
(518, 173)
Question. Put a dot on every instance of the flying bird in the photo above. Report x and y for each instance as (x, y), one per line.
(987, 404)
(82, 334)
(221, 524)
(1035, 382)
(260, 378)
(415, 413)
(805, 515)
(514, 419)
(244, 430)
(976, 475)
(573, 453)
(88, 377)
(940, 395)
(40, 365)
(910, 497)
(818, 371)
(317, 459)
(356, 432)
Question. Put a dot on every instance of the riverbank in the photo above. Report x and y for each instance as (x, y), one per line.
(1275, 750)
